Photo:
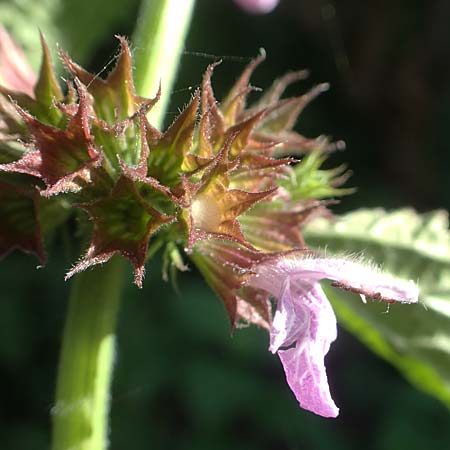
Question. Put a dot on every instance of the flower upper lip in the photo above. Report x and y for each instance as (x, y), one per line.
(347, 273)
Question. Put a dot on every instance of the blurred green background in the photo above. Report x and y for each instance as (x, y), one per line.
(181, 382)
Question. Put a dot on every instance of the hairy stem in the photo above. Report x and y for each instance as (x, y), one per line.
(80, 415)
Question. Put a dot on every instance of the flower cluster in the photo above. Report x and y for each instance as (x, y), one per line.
(215, 186)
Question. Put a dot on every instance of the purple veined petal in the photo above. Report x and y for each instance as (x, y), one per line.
(303, 363)
(289, 321)
(257, 6)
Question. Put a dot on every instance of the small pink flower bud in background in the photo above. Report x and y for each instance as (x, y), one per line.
(257, 6)
(15, 72)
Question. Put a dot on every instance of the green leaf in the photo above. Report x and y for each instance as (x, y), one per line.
(414, 338)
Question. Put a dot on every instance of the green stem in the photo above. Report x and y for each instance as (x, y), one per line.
(159, 40)
(80, 415)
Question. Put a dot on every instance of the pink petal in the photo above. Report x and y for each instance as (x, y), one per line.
(289, 321)
(15, 72)
(314, 332)
(349, 274)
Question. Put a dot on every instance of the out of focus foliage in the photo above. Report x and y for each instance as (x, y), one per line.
(80, 27)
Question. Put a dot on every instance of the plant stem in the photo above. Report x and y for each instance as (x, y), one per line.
(80, 415)
(159, 41)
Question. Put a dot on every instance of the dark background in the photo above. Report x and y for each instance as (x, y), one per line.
(181, 382)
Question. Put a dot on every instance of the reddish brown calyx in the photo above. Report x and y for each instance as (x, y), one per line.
(122, 223)
(215, 207)
(226, 266)
(19, 225)
(62, 159)
(115, 98)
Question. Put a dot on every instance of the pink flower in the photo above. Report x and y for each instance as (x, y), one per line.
(304, 323)
(257, 6)
(15, 72)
